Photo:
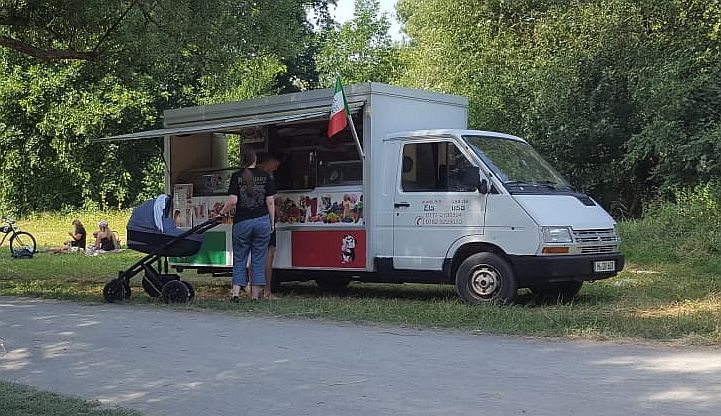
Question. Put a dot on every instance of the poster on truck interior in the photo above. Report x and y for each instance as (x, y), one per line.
(343, 208)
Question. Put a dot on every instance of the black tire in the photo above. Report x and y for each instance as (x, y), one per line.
(153, 284)
(333, 284)
(557, 292)
(175, 292)
(486, 278)
(23, 240)
(191, 290)
(152, 288)
(126, 288)
(114, 291)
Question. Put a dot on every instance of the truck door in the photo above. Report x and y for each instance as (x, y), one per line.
(433, 207)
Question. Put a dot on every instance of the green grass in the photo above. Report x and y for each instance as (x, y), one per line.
(20, 400)
(659, 297)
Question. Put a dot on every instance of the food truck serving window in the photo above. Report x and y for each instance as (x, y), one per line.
(309, 159)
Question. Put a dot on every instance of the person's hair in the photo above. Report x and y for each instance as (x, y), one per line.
(78, 225)
(249, 158)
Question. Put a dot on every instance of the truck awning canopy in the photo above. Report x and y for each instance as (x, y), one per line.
(229, 126)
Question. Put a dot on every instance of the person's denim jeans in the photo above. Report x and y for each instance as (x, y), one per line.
(250, 237)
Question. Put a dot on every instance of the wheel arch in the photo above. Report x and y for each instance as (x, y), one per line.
(468, 249)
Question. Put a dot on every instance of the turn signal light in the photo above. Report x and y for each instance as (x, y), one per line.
(555, 250)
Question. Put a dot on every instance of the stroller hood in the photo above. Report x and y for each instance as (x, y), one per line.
(147, 236)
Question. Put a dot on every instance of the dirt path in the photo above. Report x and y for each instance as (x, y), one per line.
(175, 362)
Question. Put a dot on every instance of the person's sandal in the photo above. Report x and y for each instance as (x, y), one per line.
(235, 299)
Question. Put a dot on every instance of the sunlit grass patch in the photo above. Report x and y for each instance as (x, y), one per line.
(654, 298)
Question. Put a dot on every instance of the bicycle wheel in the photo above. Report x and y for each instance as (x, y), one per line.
(22, 240)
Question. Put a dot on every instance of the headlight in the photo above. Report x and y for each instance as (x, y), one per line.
(556, 235)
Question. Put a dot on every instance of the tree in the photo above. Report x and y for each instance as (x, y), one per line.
(361, 49)
(76, 70)
(618, 94)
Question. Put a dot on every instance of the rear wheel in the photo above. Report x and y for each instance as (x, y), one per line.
(22, 240)
(557, 292)
(191, 290)
(153, 283)
(175, 292)
(333, 284)
(486, 278)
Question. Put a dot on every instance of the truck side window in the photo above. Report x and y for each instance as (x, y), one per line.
(435, 167)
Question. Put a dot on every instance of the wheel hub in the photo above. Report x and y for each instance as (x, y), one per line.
(485, 281)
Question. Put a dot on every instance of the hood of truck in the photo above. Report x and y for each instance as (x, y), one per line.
(565, 210)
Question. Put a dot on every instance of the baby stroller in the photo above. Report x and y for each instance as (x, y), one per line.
(152, 231)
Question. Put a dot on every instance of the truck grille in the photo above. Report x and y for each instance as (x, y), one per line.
(598, 249)
(595, 236)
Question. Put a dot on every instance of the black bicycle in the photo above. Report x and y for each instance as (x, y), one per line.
(20, 241)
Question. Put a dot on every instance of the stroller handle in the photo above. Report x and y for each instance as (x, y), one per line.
(204, 226)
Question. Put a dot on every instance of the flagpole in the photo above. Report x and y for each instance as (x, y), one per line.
(355, 136)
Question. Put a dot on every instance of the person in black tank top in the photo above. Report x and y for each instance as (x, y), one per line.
(104, 237)
(251, 193)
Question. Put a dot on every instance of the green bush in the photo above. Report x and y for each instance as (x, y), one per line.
(686, 229)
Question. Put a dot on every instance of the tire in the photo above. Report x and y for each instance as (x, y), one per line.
(333, 284)
(191, 290)
(23, 240)
(557, 292)
(114, 291)
(486, 278)
(151, 288)
(153, 284)
(127, 290)
(175, 292)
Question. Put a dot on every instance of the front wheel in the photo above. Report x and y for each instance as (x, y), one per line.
(486, 278)
(22, 240)
(115, 291)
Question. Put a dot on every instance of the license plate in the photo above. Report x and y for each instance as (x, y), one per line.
(604, 266)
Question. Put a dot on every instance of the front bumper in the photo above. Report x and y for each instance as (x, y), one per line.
(532, 270)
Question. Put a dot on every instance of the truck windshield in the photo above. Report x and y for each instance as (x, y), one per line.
(516, 164)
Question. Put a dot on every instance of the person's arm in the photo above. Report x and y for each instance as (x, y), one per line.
(229, 204)
(232, 195)
(270, 203)
(270, 191)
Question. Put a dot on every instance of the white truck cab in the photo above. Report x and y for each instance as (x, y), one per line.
(486, 212)
(416, 199)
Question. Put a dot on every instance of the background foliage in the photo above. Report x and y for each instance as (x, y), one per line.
(622, 96)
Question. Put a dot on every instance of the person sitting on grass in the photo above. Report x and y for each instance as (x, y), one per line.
(78, 238)
(105, 239)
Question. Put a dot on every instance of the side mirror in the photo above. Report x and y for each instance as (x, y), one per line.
(483, 187)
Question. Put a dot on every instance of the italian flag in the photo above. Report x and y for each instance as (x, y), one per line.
(338, 111)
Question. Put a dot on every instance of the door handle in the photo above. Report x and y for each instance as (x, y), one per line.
(401, 204)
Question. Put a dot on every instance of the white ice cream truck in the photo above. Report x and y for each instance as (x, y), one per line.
(424, 200)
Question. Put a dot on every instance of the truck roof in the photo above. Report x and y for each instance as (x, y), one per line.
(453, 132)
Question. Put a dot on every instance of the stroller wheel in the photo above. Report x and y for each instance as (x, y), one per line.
(126, 289)
(175, 292)
(191, 290)
(114, 291)
(153, 283)
(152, 290)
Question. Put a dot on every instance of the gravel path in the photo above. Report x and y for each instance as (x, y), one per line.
(165, 361)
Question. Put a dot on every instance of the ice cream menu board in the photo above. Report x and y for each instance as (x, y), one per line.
(182, 201)
(344, 207)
